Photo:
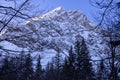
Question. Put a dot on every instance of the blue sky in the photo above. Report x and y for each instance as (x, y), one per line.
(81, 5)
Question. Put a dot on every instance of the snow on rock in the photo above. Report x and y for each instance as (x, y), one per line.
(10, 46)
(55, 32)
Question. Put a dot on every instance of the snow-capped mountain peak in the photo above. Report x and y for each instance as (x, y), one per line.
(62, 15)
(57, 9)
(48, 14)
(55, 32)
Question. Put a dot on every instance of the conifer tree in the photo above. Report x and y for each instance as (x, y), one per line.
(13, 68)
(50, 72)
(83, 65)
(5, 69)
(21, 65)
(71, 64)
(38, 72)
(8, 70)
(102, 73)
(57, 61)
(57, 66)
(71, 57)
(66, 71)
(28, 70)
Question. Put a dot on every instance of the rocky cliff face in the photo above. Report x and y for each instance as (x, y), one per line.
(54, 32)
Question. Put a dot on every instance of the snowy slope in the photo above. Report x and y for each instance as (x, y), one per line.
(54, 32)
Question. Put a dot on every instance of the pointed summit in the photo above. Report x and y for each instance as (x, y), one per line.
(48, 14)
(62, 15)
(58, 9)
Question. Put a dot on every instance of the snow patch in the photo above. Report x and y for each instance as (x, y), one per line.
(10, 46)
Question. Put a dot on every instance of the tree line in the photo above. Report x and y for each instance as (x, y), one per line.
(77, 66)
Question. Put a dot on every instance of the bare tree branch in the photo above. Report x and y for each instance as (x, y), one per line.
(17, 11)
(11, 8)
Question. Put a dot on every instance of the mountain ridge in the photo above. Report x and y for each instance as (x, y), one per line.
(55, 32)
